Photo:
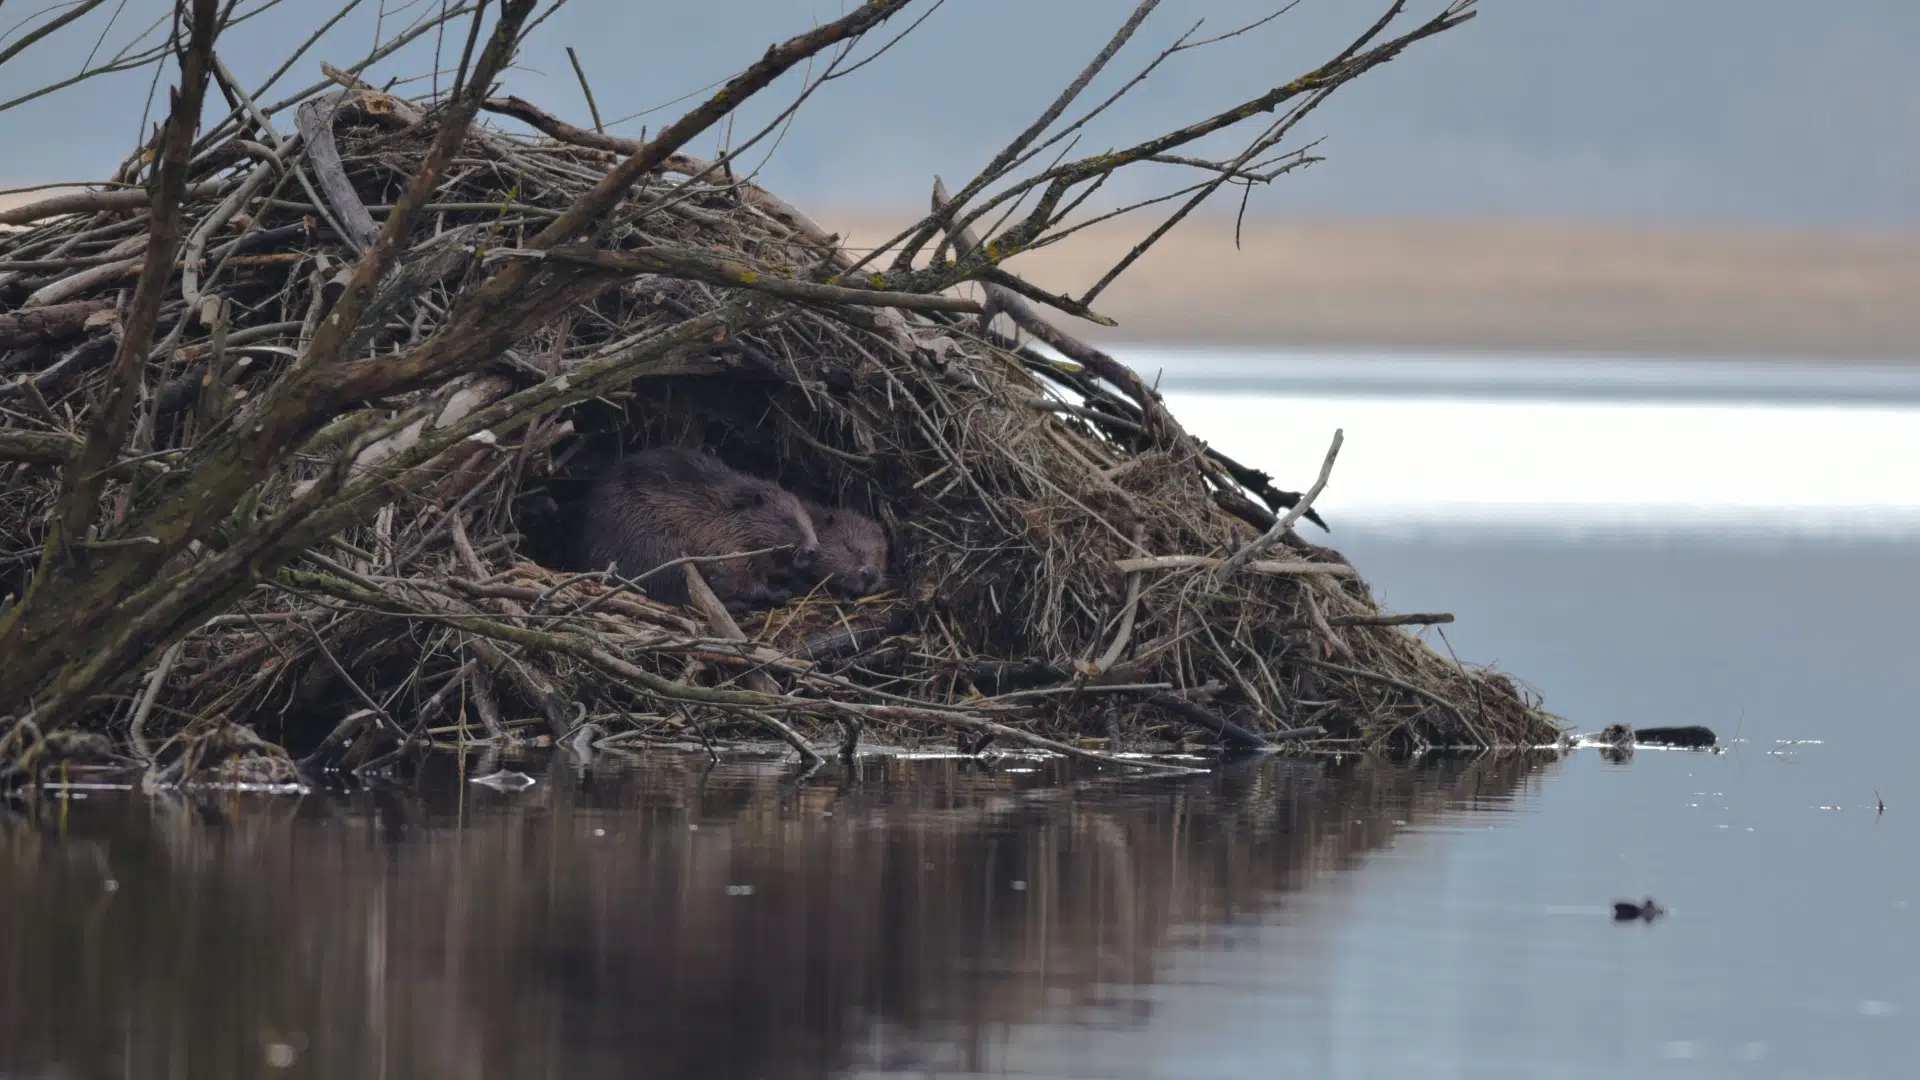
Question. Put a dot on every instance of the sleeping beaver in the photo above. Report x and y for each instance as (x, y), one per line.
(852, 559)
(658, 505)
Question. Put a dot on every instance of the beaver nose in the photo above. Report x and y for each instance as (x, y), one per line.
(803, 557)
(869, 577)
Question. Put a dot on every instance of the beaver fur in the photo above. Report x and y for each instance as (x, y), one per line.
(662, 504)
(852, 558)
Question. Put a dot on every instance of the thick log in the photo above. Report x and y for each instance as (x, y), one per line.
(46, 325)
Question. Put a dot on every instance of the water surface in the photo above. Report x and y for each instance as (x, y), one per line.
(664, 916)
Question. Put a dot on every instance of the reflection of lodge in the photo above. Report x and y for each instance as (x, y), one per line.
(475, 934)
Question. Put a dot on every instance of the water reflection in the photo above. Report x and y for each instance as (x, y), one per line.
(667, 919)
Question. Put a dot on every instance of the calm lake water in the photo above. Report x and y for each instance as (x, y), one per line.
(1729, 553)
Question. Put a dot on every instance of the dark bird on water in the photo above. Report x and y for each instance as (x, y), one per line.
(1627, 910)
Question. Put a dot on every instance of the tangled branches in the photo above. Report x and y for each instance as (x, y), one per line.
(305, 467)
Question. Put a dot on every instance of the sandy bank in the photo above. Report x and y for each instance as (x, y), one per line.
(1521, 286)
(1503, 286)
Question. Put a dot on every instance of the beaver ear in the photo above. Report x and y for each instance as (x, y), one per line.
(827, 518)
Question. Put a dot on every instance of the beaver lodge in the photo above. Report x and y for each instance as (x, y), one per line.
(301, 413)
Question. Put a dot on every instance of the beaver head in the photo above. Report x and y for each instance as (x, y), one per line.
(852, 559)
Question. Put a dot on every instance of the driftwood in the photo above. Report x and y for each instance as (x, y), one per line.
(316, 127)
(305, 418)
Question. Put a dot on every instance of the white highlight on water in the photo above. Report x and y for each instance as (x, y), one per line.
(1420, 453)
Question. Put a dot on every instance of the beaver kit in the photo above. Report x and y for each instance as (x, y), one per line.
(434, 478)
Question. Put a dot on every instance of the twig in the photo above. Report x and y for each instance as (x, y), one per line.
(1125, 632)
(1009, 154)
(581, 73)
(74, 12)
(1319, 620)
(1208, 562)
(1272, 536)
(737, 273)
(374, 57)
(1015, 307)
(1412, 619)
(137, 727)
(1479, 703)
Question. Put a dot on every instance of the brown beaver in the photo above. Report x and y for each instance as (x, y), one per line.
(852, 559)
(661, 504)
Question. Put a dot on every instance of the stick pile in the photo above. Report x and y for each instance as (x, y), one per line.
(293, 432)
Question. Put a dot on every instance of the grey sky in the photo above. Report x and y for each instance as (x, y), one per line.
(1756, 111)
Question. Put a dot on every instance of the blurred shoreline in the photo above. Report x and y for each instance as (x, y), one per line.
(1489, 286)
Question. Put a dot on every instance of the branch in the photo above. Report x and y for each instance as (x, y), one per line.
(1399, 684)
(715, 269)
(591, 207)
(1009, 154)
(315, 121)
(619, 668)
(372, 58)
(85, 475)
(1428, 618)
(77, 11)
(231, 464)
(155, 615)
(592, 108)
(1272, 536)
(87, 202)
(36, 447)
(1059, 180)
(1290, 567)
(46, 325)
(555, 128)
(1015, 307)
(340, 324)
(685, 164)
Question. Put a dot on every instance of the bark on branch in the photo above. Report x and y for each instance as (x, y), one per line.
(714, 269)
